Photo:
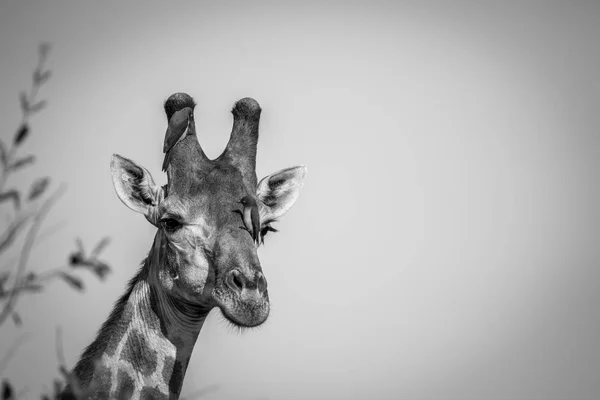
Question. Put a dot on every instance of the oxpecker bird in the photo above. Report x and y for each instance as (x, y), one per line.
(251, 217)
(176, 131)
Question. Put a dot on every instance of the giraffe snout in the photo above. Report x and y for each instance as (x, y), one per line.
(242, 296)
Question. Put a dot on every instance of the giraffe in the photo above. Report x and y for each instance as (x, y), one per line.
(204, 256)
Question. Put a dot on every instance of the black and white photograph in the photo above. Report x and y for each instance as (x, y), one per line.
(291, 200)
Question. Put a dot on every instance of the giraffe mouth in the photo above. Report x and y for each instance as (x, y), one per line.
(245, 308)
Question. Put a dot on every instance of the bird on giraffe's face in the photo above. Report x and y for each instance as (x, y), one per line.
(176, 131)
(251, 217)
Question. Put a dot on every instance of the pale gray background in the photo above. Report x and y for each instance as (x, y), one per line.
(446, 242)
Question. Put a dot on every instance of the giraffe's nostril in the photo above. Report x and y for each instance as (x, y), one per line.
(236, 280)
(261, 282)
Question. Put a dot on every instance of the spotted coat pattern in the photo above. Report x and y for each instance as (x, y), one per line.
(147, 361)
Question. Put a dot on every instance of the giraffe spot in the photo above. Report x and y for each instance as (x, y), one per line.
(100, 391)
(176, 378)
(150, 393)
(101, 394)
(168, 368)
(119, 329)
(100, 383)
(125, 386)
(138, 353)
(102, 374)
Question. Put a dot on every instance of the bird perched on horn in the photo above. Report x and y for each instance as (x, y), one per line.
(251, 217)
(180, 115)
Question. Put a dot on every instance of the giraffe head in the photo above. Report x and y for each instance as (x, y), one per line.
(211, 216)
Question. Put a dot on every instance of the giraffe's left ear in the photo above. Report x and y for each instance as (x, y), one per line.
(278, 192)
(135, 187)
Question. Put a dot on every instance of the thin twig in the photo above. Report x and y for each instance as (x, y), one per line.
(59, 348)
(43, 276)
(72, 381)
(26, 114)
(36, 282)
(49, 232)
(27, 246)
(10, 234)
(13, 350)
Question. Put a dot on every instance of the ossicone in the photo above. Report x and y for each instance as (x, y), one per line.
(178, 101)
(246, 108)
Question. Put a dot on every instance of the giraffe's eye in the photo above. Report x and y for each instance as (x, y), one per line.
(264, 230)
(170, 224)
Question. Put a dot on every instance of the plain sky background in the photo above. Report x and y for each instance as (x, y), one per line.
(446, 244)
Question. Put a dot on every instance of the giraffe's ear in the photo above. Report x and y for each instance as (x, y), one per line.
(279, 191)
(135, 187)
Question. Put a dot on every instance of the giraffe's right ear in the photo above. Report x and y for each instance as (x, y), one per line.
(135, 187)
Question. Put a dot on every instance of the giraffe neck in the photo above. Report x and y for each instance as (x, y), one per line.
(144, 348)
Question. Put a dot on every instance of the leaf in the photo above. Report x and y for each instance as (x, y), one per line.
(37, 106)
(7, 390)
(21, 162)
(76, 259)
(11, 195)
(100, 246)
(43, 50)
(17, 319)
(32, 287)
(63, 371)
(57, 387)
(38, 188)
(74, 281)
(22, 133)
(24, 102)
(40, 77)
(101, 269)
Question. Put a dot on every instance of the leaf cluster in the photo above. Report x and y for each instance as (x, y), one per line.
(27, 211)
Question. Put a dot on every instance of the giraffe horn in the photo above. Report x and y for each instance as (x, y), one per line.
(241, 148)
(177, 102)
(183, 155)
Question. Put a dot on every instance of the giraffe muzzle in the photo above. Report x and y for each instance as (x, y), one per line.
(243, 297)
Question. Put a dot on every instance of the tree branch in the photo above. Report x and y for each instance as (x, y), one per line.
(26, 250)
(10, 234)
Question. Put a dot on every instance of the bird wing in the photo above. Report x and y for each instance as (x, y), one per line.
(176, 128)
(255, 223)
(251, 217)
